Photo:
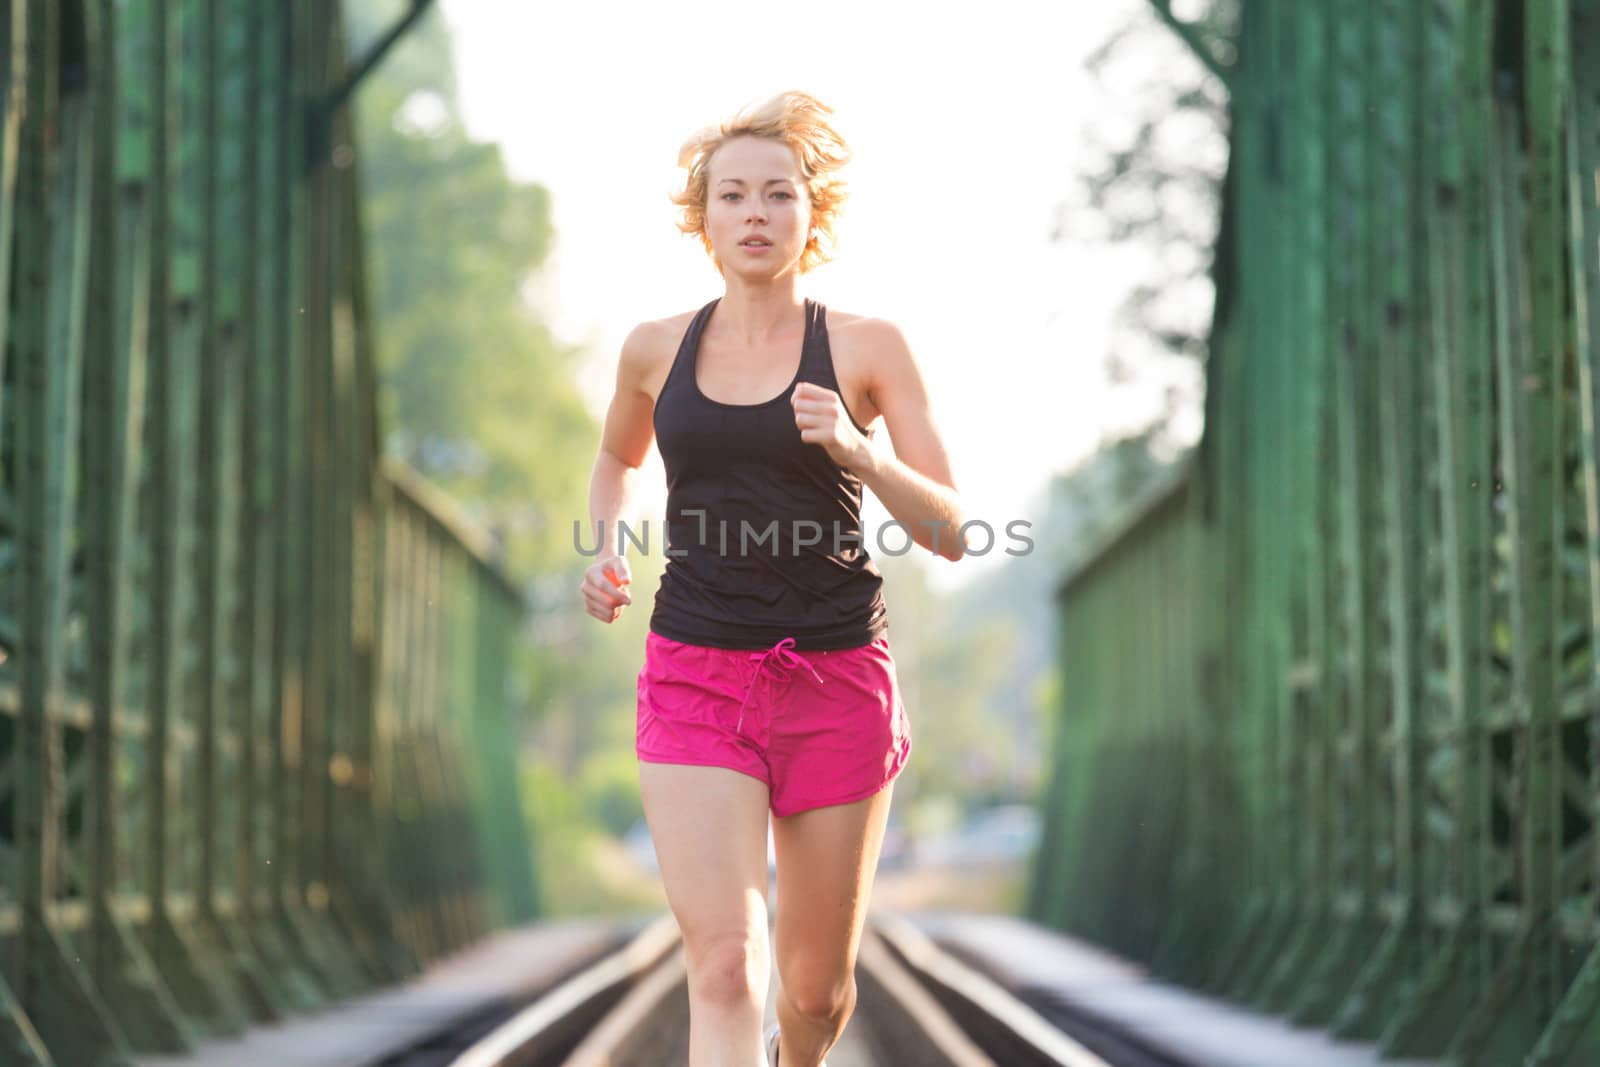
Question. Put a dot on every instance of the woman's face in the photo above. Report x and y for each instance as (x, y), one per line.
(758, 214)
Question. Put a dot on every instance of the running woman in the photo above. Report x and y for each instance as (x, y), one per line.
(767, 679)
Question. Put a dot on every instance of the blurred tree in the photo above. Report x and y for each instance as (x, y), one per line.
(982, 683)
(478, 395)
(1155, 153)
(1155, 150)
(610, 782)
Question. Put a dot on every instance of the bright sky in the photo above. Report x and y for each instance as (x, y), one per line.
(962, 120)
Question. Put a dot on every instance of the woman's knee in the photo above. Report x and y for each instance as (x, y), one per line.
(728, 969)
(819, 995)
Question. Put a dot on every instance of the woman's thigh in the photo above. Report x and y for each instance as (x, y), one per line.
(709, 828)
(827, 860)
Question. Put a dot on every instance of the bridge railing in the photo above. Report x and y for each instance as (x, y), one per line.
(254, 752)
(1330, 738)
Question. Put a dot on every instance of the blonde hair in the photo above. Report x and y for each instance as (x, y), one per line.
(796, 119)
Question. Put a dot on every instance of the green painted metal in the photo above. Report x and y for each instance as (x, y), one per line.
(1353, 650)
(254, 748)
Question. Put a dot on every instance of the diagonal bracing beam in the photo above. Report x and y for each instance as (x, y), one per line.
(1192, 37)
(375, 54)
(322, 111)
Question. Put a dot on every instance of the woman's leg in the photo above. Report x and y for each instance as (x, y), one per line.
(709, 827)
(827, 858)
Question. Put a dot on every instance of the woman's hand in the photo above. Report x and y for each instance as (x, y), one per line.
(820, 415)
(604, 588)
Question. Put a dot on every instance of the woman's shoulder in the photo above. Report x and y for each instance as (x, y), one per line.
(654, 340)
(868, 352)
(863, 335)
(649, 349)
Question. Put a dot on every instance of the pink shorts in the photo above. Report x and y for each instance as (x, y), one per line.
(818, 728)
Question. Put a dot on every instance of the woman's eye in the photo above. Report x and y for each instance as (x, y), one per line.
(730, 196)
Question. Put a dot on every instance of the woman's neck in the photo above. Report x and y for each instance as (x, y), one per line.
(755, 313)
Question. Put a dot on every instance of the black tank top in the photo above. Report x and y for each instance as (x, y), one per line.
(752, 553)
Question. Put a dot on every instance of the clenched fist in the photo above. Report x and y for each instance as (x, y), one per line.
(822, 419)
(604, 588)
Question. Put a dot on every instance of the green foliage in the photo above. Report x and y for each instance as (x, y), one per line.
(478, 395)
(985, 699)
(582, 869)
(550, 798)
(481, 399)
(609, 785)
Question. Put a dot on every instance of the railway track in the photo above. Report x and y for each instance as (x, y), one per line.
(919, 1006)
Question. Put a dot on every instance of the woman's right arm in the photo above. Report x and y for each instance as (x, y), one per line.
(624, 444)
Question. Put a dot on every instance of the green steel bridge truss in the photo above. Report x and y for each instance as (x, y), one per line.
(254, 752)
(1330, 735)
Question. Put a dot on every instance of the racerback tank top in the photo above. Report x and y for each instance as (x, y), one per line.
(764, 536)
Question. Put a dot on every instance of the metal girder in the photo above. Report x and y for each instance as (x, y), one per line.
(194, 732)
(1194, 37)
(1392, 765)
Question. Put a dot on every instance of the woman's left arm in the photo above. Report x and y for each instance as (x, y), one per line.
(915, 484)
